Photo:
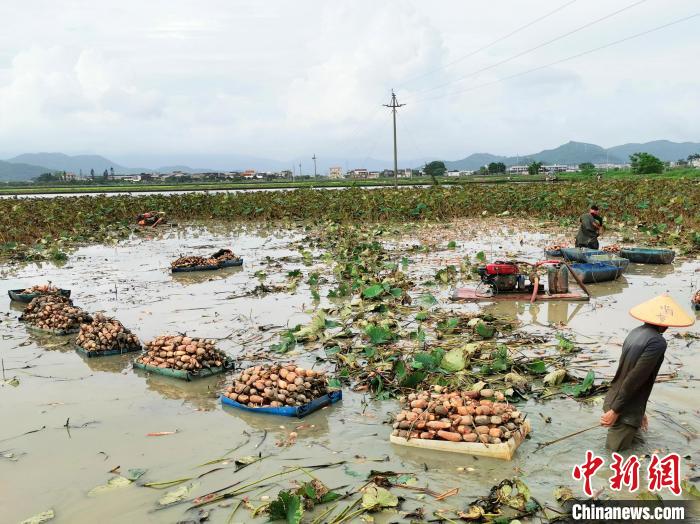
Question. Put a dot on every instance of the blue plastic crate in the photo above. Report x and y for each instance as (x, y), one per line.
(289, 411)
(109, 352)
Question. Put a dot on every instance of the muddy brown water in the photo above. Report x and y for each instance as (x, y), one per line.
(111, 407)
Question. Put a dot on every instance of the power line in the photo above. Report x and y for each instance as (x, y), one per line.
(491, 44)
(531, 49)
(418, 149)
(363, 123)
(572, 57)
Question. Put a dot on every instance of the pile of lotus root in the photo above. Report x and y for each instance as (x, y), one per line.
(277, 386)
(612, 248)
(467, 416)
(54, 312)
(556, 247)
(44, 289)
(106, 334)
(182, 352)
(215, 259)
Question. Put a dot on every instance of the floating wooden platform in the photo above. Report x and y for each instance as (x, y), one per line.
(468, 294)
(504, 451)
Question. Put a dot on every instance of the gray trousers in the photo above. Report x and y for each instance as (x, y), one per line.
(621, 436)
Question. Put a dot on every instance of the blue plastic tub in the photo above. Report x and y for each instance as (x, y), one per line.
(579, 254)
(609, 259)
(598, 272)
(641, 255)
(289, 411)
(211, 267)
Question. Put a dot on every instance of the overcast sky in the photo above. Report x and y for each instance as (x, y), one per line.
(135, 80)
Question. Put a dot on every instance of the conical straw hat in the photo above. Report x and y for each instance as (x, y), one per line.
(662, 311)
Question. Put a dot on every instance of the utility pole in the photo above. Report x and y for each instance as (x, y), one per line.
(299, 169)
(394, 105)
(314, 159)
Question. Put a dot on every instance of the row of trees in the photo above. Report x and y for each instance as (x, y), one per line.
(63, 176)
(641, 163)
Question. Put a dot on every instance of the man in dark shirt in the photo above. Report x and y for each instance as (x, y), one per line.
(642, 355)
(591, 226)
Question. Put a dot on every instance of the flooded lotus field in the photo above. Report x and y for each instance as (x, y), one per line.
(71, 423)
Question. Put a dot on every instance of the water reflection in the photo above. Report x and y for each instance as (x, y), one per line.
(608, 288)
(650, 270)
(108, 364)
(312, 426)
(557, 312)
(202, 393)
(51, 342)
(17, 306)
(197, 277)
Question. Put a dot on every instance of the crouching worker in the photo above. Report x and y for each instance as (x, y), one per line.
(150, 218)
(642, 356)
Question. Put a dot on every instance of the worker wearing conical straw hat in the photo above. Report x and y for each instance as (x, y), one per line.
(642, 356)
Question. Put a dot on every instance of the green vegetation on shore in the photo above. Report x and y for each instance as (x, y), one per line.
(666, 210)
(152, 186)
(149, 187)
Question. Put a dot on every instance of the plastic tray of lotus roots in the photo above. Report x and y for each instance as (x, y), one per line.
(210, 267)
(59, 332)
(183, 373)
(109, 352)
(18, 295)
(503, 451)
(290, 411)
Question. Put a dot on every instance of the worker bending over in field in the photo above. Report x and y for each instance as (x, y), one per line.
(151, 218)
(591, 227)
(642, 355)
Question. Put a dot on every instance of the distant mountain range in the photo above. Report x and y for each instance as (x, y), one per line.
(70, 164)
(31, 165)
(579, 152)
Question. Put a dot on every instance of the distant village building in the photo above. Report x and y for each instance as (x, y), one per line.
(517, 170)
(335, 172)
(401, 173)
(130, 178)
(373, 174)
(359, 173)
(453, 173)
(555, 168)
(611, 166)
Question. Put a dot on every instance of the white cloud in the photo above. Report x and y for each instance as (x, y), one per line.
(281, 79)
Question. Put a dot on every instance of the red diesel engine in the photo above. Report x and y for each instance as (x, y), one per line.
(501, 276)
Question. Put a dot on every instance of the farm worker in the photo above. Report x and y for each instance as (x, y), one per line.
(161, 218)
(642, 355)
(591, 226)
